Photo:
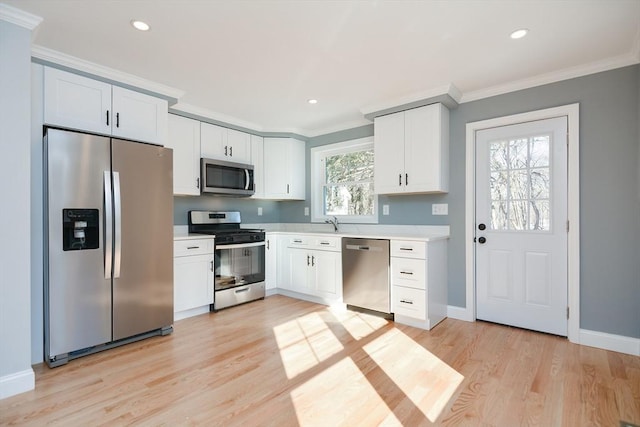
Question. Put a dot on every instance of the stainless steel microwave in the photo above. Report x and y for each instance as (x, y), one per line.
(226, 178)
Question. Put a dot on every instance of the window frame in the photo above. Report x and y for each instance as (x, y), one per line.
(318, 154)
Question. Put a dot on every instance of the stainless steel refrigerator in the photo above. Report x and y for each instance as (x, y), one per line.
(108, 243)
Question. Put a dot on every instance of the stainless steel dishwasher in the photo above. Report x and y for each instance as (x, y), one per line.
(365, 274)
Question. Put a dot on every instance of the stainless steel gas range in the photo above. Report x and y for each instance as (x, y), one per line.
(239, 257)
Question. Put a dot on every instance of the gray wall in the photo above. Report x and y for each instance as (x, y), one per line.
(248, 208)
(609, 194)
(16, 374)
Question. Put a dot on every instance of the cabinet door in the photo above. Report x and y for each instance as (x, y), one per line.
(76, 102)
(213, 141)
(257, 160)
(284, 169)
(297, 177)
(184, 139)
(389, 155)
(423, 156)
(138, 116)
(193, 282)
(299, 264)
(276, 168)
(271, 261)
(327, 273)
(239, 146)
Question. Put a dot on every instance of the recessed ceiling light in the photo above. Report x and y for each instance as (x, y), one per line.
(312, 101)
(518, 34)
(140, 25)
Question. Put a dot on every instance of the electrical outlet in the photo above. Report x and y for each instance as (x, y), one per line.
(259, 211)
(385, 209)
(440, 209)
(306, 211)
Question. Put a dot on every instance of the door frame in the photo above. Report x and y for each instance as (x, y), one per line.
(571, 111)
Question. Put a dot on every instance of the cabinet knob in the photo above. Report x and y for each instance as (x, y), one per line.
(482, 240)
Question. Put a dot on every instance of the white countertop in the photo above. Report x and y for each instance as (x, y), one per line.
(423, 233)
(180, 233)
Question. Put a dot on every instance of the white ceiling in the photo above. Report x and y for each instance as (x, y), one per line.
(255, 63)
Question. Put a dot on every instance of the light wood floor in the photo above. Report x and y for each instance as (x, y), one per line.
(284, 362)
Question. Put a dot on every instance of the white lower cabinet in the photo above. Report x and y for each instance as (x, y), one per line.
(419, 282)
(271, 262)
(193, 277)
(311, 266)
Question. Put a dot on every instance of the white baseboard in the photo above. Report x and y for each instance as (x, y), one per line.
(190, 313)
(17, 383)
(459, 313)
(619, 343)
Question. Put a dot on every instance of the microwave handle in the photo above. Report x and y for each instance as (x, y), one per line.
(247, 177)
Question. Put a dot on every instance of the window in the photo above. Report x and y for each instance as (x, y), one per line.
(342, 182)
(521, 184)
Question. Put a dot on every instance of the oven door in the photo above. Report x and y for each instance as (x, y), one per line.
(239, 265)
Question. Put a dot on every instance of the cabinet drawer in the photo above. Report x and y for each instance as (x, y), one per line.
(298, 241)
(193, 247)
(408, 249)
(409, 302)
(327, 243)
(408, 272)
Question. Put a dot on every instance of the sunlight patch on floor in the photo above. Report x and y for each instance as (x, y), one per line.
(426, 380)
(305, 342)
(339, 395)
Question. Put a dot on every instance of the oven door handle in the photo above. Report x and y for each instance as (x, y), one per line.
(240, 245)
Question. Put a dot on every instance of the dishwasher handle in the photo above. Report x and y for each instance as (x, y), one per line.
(364, 248)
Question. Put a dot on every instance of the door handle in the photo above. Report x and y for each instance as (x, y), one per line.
(407, 273)
(117, 120)
(117, 225)
(108, 226)
(226, 151)
(406, 179)
(231, 150)
(404, 301)
(482, 240)
(308, 260)
(211, 265)
(400, 179)
(237, 291)
(107, 117)
(313, 261)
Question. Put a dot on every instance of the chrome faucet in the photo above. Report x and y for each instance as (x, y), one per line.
(333, 222)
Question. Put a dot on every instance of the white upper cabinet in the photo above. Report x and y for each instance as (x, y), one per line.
(77, 102)
(184, 139)
(284, 169)
(412, 151)
(217, 142)
(138, 116)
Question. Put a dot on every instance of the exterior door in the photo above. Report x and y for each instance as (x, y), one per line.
(521, 225)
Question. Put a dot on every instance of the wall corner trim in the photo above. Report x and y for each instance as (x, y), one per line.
(19, 17)
(16, 383)
(605, 341)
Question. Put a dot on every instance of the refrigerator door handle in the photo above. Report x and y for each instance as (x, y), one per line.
(108, 226)
(117, 222)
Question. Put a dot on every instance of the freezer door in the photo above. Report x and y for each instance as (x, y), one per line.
(143, 243)
(77, 288)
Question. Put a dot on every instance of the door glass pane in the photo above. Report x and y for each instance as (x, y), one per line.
(539, 215)
(540, 183)
(520, 183)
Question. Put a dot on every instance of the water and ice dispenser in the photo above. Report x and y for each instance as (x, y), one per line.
(80, 229)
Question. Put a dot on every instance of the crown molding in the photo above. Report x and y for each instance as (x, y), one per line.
(449, 89)
(213, 117)
(337, 128)
(52, 57)
(629, 58)
(19, 17)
